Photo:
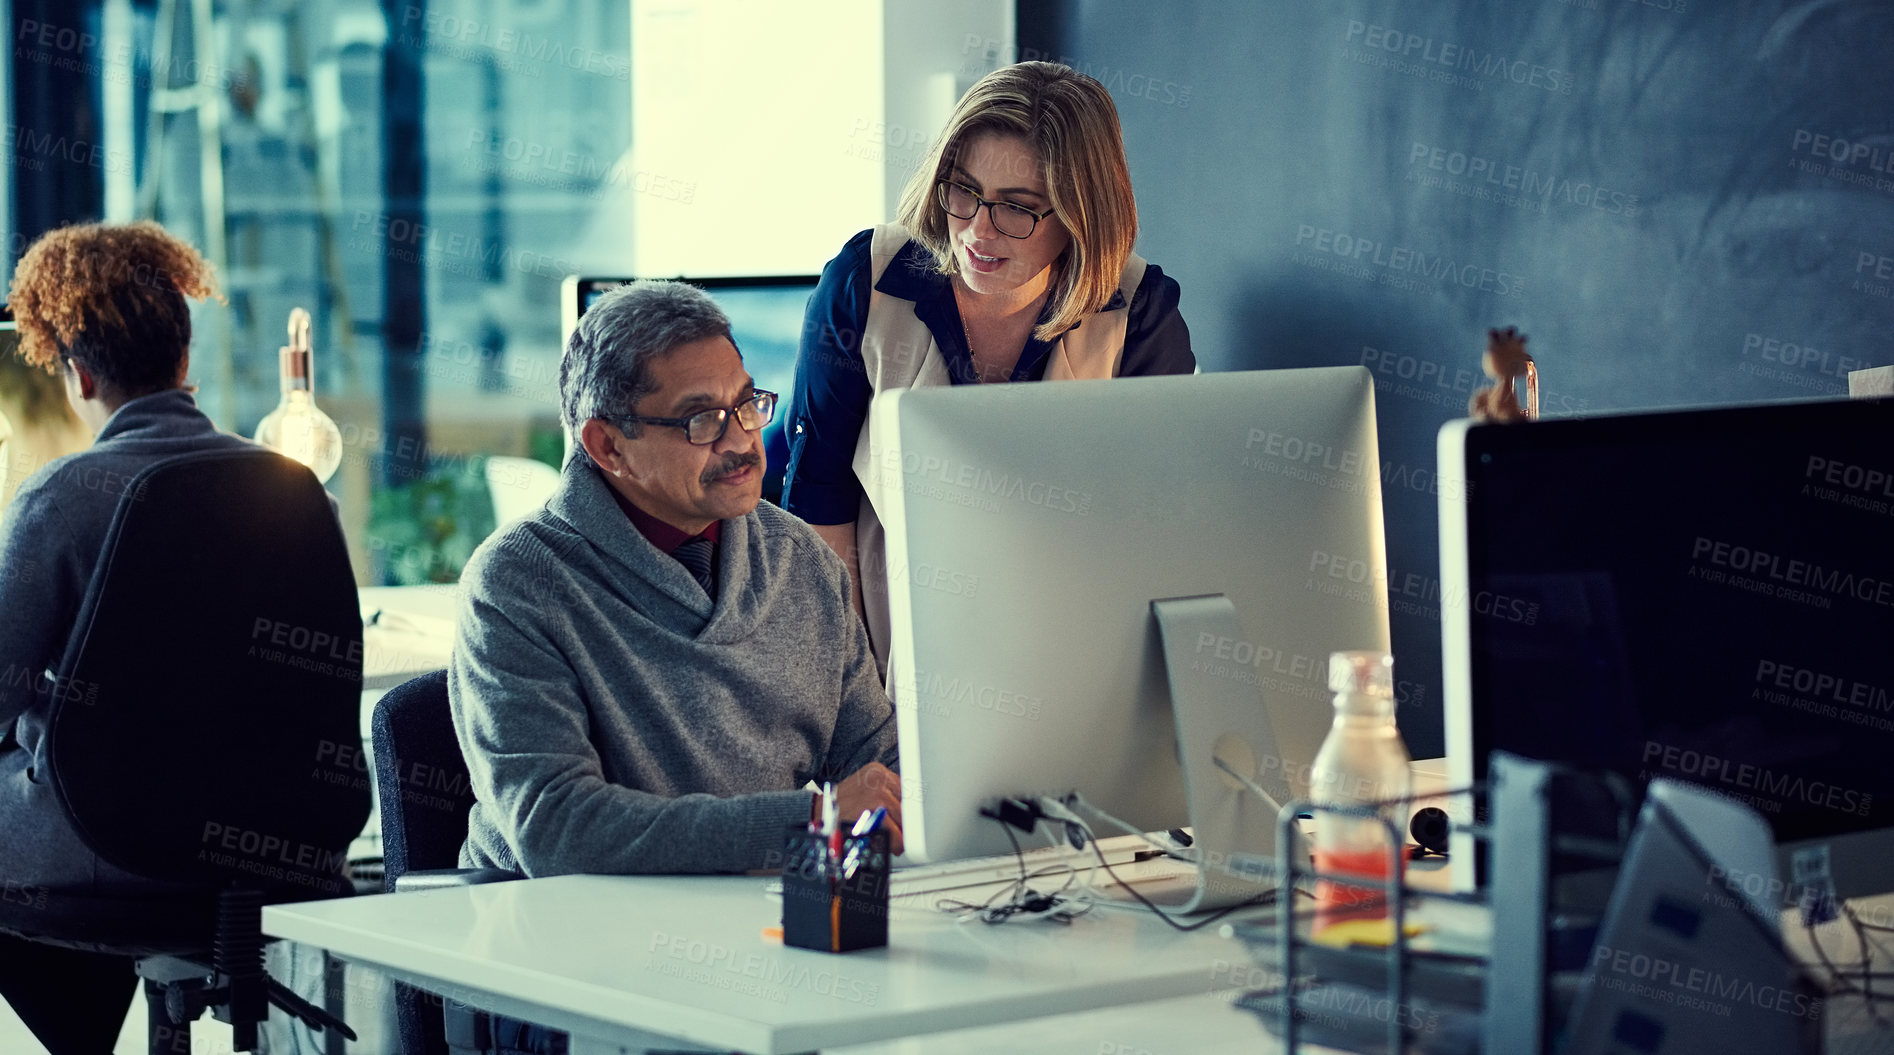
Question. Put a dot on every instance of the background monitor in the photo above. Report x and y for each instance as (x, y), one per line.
(1706, 595)
(1030, 526)
(766, 314)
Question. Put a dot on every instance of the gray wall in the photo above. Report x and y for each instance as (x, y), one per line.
(1634, 183)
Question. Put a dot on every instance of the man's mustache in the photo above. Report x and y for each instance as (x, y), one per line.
(731, 463)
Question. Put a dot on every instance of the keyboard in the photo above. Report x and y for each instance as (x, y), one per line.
(1121, 852)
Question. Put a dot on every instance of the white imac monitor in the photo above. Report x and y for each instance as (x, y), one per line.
(1705, 595)
(1030, 528)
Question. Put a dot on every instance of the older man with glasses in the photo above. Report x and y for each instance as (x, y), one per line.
(653, 667)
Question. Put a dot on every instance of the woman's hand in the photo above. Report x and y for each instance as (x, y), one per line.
(841, 539)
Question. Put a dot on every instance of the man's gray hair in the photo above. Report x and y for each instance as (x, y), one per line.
(607, 365)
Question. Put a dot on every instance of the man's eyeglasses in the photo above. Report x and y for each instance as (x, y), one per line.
(708, 426)
(1013, 221)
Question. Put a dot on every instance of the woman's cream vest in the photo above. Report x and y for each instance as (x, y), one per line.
(899, 352)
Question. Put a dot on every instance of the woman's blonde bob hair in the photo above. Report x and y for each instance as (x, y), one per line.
(1070, 122)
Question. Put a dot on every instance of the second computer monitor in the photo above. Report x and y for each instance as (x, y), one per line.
(1704, 595)
(1030, 527)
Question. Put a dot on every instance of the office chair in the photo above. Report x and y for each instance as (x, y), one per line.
(519, 486)
(206, 706)
(422, 781)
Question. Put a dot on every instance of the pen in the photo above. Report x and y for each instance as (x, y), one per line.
(832, 824)
(865, 826)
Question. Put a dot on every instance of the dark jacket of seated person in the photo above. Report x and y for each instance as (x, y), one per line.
(50, 541)
(617, 715)
(53, 531)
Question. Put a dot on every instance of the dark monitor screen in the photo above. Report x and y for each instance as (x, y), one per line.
(766, 316)
(1705, 595)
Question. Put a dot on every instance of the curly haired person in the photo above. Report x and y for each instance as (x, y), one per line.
(103, 307)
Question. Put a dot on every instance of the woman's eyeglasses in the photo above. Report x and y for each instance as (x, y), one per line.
(1013, 221)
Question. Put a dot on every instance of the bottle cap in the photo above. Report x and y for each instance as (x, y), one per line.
(293, 358)
(1367, 672)
(293, 363)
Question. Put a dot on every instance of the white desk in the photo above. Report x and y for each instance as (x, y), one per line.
(631, 961)
(414, 635)
(622, 963)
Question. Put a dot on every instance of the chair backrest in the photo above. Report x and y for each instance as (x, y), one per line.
(206, 723)
(420, 777)
(519, 486)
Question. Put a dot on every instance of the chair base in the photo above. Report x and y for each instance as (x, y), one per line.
(162, 1035)
(229, 983)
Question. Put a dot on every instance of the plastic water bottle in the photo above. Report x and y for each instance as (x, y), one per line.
(1362, 763)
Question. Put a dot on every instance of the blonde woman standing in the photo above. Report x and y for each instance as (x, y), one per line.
(1010, 261)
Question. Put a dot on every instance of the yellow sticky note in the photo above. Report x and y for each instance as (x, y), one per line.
(1365, 932)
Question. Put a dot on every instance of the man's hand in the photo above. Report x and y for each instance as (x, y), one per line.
(868, 787)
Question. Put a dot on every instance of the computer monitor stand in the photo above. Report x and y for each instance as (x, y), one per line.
(1220, 716)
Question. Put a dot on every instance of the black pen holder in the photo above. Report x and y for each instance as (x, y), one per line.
(827, 907)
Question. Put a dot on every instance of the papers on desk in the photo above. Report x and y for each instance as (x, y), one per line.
(406, 622)
(398, 645)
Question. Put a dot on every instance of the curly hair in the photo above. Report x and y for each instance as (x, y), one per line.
(111, 297)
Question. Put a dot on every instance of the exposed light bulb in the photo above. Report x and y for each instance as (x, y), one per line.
(297, 428)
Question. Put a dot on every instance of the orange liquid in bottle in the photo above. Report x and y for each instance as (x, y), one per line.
(1340, 901)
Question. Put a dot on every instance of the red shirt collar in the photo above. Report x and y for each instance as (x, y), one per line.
(660, 534)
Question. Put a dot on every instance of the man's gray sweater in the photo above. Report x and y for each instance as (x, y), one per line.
(615, 719)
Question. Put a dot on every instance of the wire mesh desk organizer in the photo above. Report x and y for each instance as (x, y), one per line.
(1375, 996)
(1585, 890)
